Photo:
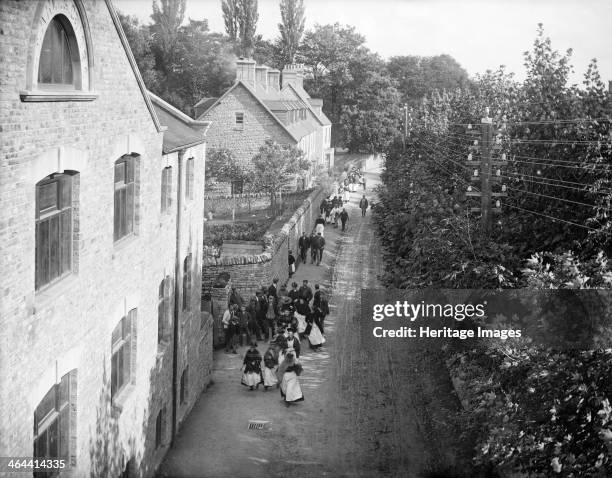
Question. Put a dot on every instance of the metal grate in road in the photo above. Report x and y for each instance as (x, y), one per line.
(258, 425)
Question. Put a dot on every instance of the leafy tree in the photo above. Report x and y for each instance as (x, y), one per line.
(275, 166)
(419, 76)
(231, 13)
(240, 18)
(268, 53)
(291, 27)
(167, 19)
(223, 166)
(139, 38)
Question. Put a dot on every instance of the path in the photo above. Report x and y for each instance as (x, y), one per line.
(364, 415)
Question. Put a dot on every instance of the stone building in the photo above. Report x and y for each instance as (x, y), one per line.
(257, 108)
(103, 349)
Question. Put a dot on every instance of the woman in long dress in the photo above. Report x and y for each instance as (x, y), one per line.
(288, 373)
(252, 367)
(270, 360)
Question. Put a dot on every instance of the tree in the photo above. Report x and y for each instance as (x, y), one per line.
(240, 17)
(166, 22)
(230, 10)
(275, 166)
(419, 76)
(139, 38)
(291, 27)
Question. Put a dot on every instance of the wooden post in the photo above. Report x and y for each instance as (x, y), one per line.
(485, 198)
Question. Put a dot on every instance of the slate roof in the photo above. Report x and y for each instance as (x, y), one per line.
(182, 131)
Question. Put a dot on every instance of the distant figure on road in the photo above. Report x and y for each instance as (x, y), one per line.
(317, 246)
(319, 225)
(288, 373)
(343, 218)
(252, 367)
(236, 298)
(362, 180)
(291, 262)
(230, 327)
(347, 195)
(304, 245)
(363, 205)
(305, 292)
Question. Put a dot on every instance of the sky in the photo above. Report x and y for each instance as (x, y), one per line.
(479, 34)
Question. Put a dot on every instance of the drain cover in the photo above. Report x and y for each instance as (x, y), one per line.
(258, 425)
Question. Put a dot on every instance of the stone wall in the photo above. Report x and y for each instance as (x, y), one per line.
(249, 272)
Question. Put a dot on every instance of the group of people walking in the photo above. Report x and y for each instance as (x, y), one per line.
(286, 319)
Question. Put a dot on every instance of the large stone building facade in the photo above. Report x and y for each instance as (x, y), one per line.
(258, 108)
(103, 349)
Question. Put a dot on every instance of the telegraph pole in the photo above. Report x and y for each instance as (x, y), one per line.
(405, 124)
(485, 197)
(484, 147)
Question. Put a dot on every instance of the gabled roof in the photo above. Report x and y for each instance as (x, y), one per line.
(132, 61)
(284, 105)
(299, 91)
(182, 131)
(254, 95)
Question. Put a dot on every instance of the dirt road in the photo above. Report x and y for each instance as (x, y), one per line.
(367, 413)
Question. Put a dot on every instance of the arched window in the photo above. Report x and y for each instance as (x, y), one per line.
(53, 228)
(59, 63)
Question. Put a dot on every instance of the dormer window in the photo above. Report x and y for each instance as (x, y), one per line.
(57, 58)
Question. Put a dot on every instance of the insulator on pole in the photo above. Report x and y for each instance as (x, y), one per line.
(469, 189)
(475, 172)
(469, 157)
(503, 188)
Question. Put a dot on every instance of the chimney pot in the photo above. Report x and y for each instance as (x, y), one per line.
(245, 71)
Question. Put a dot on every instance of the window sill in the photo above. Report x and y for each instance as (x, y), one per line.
(124, 243)
(38, 96)
(119, 400)
(47, 294)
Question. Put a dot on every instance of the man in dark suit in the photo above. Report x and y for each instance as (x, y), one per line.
(305, 292)
(304, 245)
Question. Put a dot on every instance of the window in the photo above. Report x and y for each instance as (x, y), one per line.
(160, 427)
(123, 341)
(184, 385)
(166, 189)
(237, 186)
(56, 66)
(187, 282)
(189, 175)
(163, 311)
(55, 423)
(124, 197)
(239, 120)
(53, 228)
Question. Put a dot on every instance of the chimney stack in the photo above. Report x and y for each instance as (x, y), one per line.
(261, 78)
(293, 74)
(245, 71)
(316, 104)
(273, 79)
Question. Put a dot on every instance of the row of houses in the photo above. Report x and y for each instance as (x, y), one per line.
(103, 347)
(259, 107)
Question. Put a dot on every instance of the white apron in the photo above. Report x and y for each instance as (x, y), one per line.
(316, 337)
(269, 377)
(250, 379)
(320, 228)
(301, 322)
(290, 387)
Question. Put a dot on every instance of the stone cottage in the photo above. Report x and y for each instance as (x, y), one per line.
(257, 108)
(103, 349)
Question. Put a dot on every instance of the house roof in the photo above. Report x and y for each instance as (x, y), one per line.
(259, 100)
(182, 131)
(284, 105)
(301, 93)
(133, 65)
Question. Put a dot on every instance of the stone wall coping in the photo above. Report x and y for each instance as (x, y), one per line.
(237, 260)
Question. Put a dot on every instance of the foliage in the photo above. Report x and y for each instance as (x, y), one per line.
(240, 18)
(275, 166)
(291, 28)
(418, 77)
(535, 410)
(195, 64)
(223, 166)
(240, 231)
